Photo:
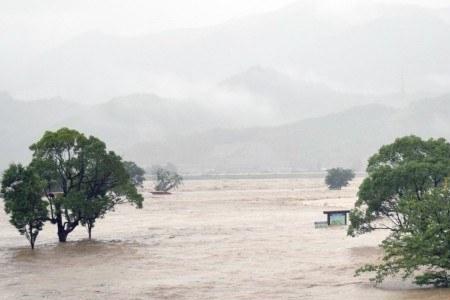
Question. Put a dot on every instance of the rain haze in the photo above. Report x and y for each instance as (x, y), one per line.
(252, 102)
(223, 72)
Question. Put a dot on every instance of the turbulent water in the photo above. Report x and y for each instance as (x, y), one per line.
(213, 239)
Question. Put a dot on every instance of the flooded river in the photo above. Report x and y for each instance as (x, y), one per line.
(212, 239)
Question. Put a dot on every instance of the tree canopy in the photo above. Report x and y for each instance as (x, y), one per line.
(338, 177)
(82, 179)
(406, 192)
(22, 192)
(420, 249)
(135, 172)
(409, 167)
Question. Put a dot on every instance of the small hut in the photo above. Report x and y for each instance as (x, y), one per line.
(336, 217)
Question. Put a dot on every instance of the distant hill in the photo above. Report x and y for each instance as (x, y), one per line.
(154, 130)
(21, 123)
(342, 139)
(121, 122)
(291, 98)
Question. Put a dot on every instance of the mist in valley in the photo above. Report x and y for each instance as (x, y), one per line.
(270, 86)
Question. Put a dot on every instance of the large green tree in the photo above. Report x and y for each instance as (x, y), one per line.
(406, 192)
(421, 249)
(22, 191)
(83, 180)
(409, 167)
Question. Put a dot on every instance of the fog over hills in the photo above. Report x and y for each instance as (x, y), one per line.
(346, 139)
(304, 87)
(292, 99)
(375, 49)
(153, 130)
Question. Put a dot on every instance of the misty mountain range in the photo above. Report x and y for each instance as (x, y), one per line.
(152, 130)
(346, 139)
(393, 48)
(290, 90)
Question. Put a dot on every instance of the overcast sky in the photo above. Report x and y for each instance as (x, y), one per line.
(30, 27)
(46, 23)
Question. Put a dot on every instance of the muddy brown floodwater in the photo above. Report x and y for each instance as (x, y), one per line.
(213, 239)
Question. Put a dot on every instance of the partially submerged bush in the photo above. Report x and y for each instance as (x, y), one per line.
(167, 180)
(338, 177)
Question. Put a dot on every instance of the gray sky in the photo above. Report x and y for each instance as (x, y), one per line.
(46, 23)
(29, 28)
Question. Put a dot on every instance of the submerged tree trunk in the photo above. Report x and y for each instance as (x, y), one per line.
(89, 226)
(62, 236)
(31, 237)
(63, 232)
